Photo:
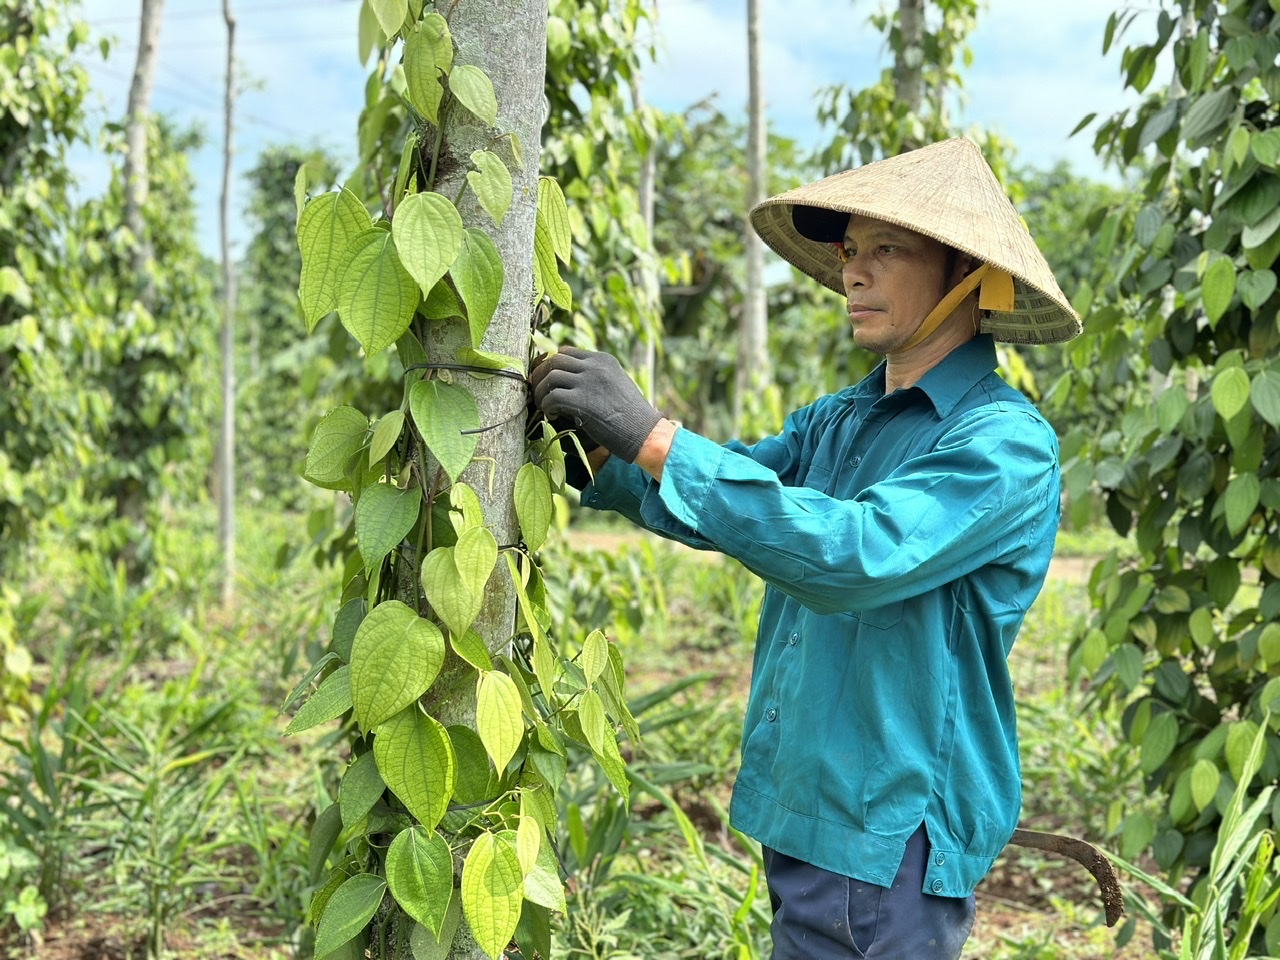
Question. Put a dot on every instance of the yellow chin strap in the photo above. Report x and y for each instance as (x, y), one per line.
(996, 293)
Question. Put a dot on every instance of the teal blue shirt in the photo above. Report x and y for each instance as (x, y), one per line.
(902, 539)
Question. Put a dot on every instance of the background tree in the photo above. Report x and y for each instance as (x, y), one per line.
(227, 437)
(1185, 632)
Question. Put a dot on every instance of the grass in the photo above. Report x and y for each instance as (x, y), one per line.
(671, 880)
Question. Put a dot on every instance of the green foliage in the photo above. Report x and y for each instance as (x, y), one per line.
(1182, 307)
(424, 787)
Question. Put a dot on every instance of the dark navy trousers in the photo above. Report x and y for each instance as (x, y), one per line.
(819, 915)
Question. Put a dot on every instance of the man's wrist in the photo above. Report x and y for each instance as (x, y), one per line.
(653, 452)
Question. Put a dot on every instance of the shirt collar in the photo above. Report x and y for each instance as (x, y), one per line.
(946, 383)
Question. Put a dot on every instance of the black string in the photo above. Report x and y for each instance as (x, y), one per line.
(493, 426)
(468, 368)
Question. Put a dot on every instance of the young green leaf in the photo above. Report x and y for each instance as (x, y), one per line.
(390, 14)
(546, 273)
(454, 578)
(498, 717)
(428, 235)
(1218, 287)
(422, 76)
(465, 511)
(420, 875)
(1240, 499)
(384, 515)
(441, 304)
(442, 412)
(470, 647)
(436, 30)
(385, 435)
(376, 295)
(367, 32)
(534, 506)
(1265, 396)
(595, 656)
(1230, 392)
(324, 833)
(528, 837)
(331, 700)
(542, 884)
(1255, 286)
(360, 789)
(490, 361)
(491, 181)
(554, 214)
(427, 946)
(326, 226)
(594, 724)
(337, 438)
(416, 762)
(350, 908)
(492, 888)
(478, 275)
(345, 625)
(394, 660)
(474, 90)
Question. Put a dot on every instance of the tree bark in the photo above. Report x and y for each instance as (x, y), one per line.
(507, 40)
(908, 73)
(753, 373)
(135, 159)
(227, 456)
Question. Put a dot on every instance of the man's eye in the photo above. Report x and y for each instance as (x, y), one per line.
(842, 252)
(887, 248)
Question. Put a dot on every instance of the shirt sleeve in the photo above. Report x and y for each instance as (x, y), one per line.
(626, 489)
(988, 487)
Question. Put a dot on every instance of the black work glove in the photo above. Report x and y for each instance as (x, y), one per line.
(593, 391)
(576, 472)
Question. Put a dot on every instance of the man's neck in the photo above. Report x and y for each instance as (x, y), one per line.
(905, 368)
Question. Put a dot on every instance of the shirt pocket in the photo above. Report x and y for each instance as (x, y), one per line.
(882, 618)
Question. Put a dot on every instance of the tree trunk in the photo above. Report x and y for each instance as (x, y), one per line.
(507, 40)
(645, 355)
(908, 72)
(753, 355)
(135, 160)
(227, 456)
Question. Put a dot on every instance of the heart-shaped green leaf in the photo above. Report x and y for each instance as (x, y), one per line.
(491, 180)
(420, 875)
(394, 660)
(428, 234)
(390, 14)
(442, 412)
(326, 226)
(474, 90)
(1255, 286)
(385, 435)
(1265, 396)
(454, 578)
(416, 762)
(360, 789)
(1230, 392)
(533, 505)
(1217, 288)
(498, 717)
(337, 438)
(384, 516)
(478, 275)
(1239, 500)
(376, 295)
(331, 700)
(348, 911)
(492, 888)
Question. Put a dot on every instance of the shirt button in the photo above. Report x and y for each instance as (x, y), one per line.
(854, 461)
(937, 886)
(771, 714)
(939, 859)
(793, 639)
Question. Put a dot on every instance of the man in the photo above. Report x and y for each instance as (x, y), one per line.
(903, 527)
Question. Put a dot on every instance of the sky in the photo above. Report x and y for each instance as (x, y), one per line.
(1037, 70)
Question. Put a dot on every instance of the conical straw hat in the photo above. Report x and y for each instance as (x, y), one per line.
(945, 191)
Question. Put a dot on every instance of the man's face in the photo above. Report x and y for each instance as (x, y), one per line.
(892, 279)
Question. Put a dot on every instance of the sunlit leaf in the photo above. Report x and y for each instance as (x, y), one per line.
(376, 295)
(492, 888)
(441, 413)
(428, 235)
(394, 660)
(328, 223)
(416, 761)
(420, 874)
(337, 438)
(534, 507)
(384, 515)
(474, 90)
(499, 719)
(331, 700)
(478, 275)
(491, 181)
